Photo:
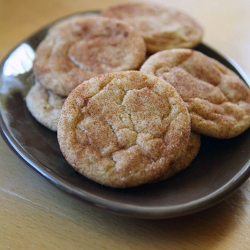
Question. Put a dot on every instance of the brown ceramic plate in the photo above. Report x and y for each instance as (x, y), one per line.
(219, 169)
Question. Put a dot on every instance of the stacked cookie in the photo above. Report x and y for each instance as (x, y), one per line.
(123, 120)
(218, 101)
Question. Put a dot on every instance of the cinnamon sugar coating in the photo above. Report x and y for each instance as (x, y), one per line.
(123, 129)
(82, 47)
(217, 99)
(161, 26)
(44, 105)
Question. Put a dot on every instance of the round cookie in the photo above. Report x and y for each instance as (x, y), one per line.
(123, 129)
(83, 47)
(217, 99)
(44, 105)
(162, 27)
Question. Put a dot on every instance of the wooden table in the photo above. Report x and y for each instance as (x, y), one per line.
(36, 215)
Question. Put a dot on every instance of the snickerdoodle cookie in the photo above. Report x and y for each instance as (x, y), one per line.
(123, 129)
(217, 99)
(83, 47)
(44, 105)
(161, 26)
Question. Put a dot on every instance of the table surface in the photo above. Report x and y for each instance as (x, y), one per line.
(36, 215)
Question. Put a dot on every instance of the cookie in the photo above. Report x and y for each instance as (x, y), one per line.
(162, 27)
(217, 99)
(123, 129)
(44, 105)
(186, 158)
(83, 47)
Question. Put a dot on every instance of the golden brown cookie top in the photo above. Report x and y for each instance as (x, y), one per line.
(123, 129)
(83, 47)
(217, 99)
(161, 26)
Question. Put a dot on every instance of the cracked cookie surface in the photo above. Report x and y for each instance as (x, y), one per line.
(44, 105)
(123, 129)
(217, 99)
(82, 47)
(161, 26)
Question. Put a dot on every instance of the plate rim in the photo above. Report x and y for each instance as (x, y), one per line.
(135, 211)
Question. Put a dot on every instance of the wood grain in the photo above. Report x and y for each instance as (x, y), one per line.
(36, 215)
